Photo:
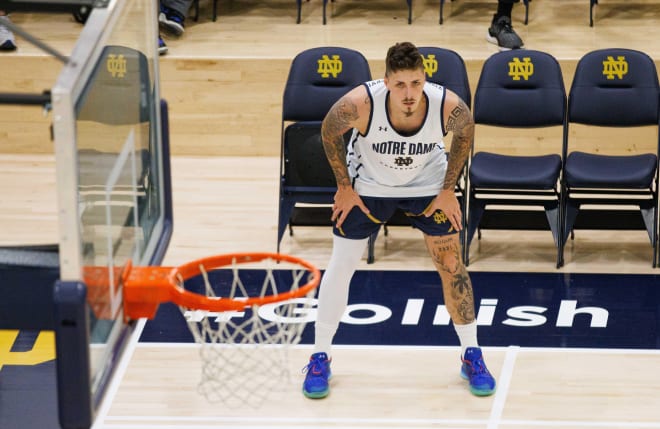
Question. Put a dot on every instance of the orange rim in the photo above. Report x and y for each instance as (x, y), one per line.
(145, 288)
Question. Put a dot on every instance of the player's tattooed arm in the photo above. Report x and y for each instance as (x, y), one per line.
(461, 124)
(337, 122)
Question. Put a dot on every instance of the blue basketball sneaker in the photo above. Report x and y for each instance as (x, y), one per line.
(317, 376)
(474, 370)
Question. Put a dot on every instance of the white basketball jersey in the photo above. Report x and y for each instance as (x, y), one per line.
(384, 163)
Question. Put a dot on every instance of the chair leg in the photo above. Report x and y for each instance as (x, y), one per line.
(299, 3)
(284, 216)
(552, 215)
(371, 246)
(526, 2)
(215, 10)
(570, 214)
(325, 4)
(650, 217)
(409, 11)
(474, 212)
(442, 4)
(592, 3)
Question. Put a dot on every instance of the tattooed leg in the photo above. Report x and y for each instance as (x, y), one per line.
(456, 284)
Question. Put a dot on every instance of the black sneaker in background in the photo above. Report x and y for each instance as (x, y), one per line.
(502, 34)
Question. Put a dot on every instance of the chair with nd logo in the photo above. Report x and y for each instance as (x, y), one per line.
(514, 185)
(446, 67)
(318, 77)
(611, 150)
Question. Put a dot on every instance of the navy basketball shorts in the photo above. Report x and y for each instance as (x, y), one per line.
(358, 225)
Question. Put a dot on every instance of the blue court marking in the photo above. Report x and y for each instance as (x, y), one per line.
(524, 309)
(28, 396)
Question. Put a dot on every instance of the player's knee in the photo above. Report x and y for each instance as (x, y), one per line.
(452, 261)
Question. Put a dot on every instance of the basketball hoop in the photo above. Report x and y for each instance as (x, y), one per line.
(242, 311)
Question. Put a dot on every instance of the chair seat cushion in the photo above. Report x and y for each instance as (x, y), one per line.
(490, 170)
(588, 170)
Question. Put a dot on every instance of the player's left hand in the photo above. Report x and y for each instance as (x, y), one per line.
(447, 202)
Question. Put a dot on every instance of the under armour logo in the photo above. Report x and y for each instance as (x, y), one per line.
(382, 129)
(518, 69)
(612, 67)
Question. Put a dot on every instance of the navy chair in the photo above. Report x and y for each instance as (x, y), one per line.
(525, 2)
(522, 89)
(616, 88)
(447, 68)
(318, 77)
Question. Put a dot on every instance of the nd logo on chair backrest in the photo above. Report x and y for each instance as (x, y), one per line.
(445, 67)
(330, 66)
(121, 88)
(513, 81)
(521, 69)
(318, 77)
(615, 68)
(615, 87)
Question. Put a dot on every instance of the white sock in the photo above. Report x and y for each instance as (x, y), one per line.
(333, 291)
(467, 335)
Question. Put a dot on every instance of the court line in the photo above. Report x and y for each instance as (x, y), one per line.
(171, 422)
(502, 391)
(431, 348)
(288, 426)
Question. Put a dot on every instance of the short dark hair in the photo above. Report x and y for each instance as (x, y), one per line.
(403, 56)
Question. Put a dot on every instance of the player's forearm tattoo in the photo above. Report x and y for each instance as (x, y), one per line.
(461, 124)
(460, 298)
(335, 124)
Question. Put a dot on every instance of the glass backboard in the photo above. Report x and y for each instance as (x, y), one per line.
(112, 169)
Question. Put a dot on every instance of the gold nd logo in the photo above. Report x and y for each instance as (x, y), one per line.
(518, 69)
(440, 217)
(329, 66)
(612, 67)
(430, 65)
(116, 65)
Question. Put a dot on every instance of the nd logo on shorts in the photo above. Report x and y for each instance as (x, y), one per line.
(440, 217)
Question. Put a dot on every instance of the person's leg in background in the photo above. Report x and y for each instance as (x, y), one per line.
(501, 31)
(7, 41)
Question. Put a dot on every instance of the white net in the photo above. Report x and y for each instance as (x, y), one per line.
(245, 353)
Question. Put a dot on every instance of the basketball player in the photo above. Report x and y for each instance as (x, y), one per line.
(396, 158)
